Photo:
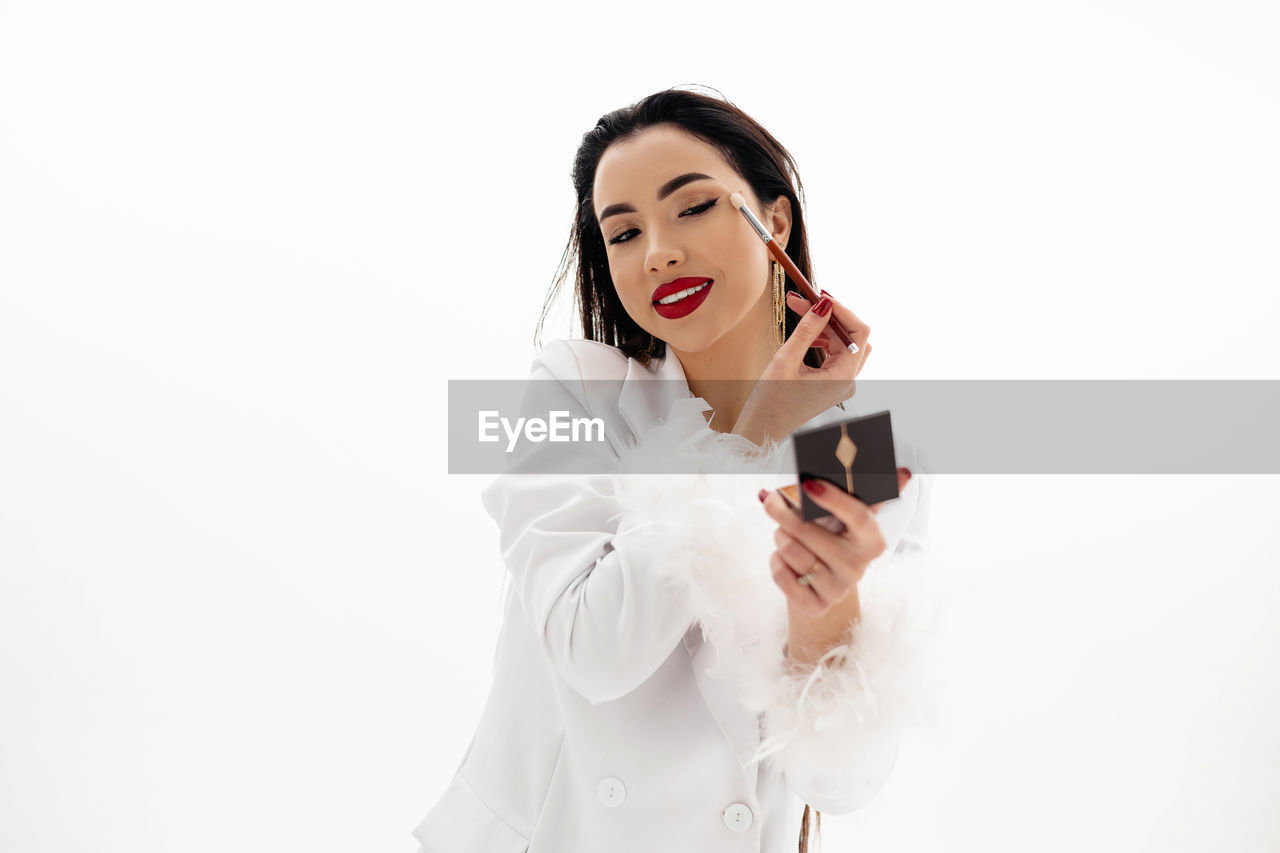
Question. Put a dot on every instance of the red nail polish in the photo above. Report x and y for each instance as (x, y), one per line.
(814, 487)
(764, 493)
(823, 306)
(824, 293)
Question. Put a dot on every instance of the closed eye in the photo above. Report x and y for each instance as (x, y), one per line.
(697, 210)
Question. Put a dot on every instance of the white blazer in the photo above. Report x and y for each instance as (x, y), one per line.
(640, 699)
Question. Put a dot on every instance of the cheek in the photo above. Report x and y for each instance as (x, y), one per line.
(748, 258)
(632, 293)
(751, 274)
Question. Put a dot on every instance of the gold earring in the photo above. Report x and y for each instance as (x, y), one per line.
(779, 303)
(648, 351)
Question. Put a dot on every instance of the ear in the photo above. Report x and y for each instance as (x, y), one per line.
(778, 219)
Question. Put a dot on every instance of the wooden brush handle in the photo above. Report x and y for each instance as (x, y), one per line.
(805, 288)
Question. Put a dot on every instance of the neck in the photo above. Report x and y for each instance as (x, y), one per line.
(725, 373)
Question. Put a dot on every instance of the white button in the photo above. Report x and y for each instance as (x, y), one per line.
(738, 817)
(611, 792)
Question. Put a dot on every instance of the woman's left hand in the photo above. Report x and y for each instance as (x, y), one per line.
(840, 559)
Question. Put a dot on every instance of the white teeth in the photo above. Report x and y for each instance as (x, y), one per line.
(676, 297)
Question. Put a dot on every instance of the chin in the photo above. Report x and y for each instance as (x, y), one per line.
(692, 344)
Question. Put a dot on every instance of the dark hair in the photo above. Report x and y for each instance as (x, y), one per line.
(754, 154)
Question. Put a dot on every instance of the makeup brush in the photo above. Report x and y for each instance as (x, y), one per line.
(802, 283)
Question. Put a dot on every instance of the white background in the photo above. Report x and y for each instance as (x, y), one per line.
(244, 245)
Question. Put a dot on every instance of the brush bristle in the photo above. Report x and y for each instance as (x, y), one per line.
(737, 200)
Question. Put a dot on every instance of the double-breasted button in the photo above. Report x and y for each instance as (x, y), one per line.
(611, 792)
(738, 817)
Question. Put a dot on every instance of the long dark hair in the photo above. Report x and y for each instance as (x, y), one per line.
(754, 154)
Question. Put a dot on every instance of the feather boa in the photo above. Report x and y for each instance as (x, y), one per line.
(833, 729)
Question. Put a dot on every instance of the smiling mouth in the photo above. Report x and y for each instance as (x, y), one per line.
(688, 291)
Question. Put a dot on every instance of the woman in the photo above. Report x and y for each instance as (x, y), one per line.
(679, 667)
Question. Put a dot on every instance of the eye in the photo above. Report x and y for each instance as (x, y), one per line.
(701, 208)
(696, 210)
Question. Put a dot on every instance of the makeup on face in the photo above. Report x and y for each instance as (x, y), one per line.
(681, 263)
(681, 297)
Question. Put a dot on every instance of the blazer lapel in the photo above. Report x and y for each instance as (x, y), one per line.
(646, 398)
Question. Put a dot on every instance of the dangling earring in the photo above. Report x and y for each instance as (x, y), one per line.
(648, 351)
(779, 304)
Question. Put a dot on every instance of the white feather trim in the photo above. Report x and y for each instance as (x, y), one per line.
(833, 729)
(710, 536)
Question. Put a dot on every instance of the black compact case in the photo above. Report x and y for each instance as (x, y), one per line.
(855, 455)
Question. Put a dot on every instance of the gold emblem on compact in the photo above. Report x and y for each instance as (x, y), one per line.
(845, 451)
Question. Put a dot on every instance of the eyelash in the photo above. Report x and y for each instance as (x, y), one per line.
(698, 211)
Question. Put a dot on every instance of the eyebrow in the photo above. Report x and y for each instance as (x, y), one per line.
(663, 191)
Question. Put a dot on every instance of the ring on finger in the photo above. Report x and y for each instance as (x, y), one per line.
(807, 579)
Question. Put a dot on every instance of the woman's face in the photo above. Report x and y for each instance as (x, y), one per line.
(663, 227)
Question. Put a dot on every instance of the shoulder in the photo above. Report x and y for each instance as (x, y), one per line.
(570, 359)
(590, 373)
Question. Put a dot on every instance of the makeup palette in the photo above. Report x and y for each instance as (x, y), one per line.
(855, 455)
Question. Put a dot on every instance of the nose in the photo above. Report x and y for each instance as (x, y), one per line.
(662, 254)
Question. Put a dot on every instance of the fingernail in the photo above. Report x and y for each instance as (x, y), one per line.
(823, 306)
(824, 293)
(764, 493)
(814, 487)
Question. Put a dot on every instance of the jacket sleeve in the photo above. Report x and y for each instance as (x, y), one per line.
(834, 730)
(580, 566)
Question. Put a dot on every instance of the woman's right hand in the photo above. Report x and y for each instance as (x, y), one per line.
(859, 330)
(776, 409)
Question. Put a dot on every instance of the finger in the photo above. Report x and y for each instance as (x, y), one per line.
(797, 303)
(866, 354)
(904, 477)
(826, 339)
(840, 361)
(849, 320)
(860, 522)
(857, 329)
(814, 536)
(803, 598)
(829, 584)
(834, 549)
(807, 330)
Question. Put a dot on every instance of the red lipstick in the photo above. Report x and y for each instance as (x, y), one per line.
(684, 306)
